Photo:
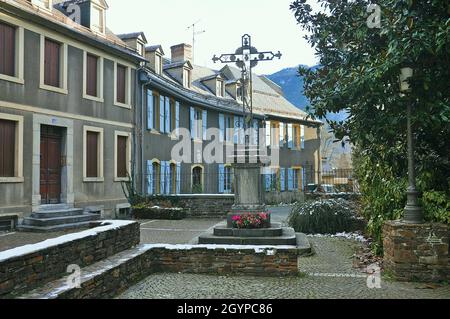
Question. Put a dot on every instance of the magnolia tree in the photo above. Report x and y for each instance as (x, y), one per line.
(362, 46)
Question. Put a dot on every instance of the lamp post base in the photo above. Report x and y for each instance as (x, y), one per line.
(413, 212)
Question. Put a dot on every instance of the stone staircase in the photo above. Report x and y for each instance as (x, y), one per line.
(50, 218)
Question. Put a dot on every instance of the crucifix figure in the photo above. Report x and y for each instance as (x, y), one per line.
(246, 58)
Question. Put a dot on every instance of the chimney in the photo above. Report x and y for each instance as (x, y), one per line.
(181, 52)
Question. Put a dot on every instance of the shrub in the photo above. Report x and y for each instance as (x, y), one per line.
(323, 217)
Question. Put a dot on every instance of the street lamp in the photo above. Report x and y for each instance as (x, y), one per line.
(413, 212)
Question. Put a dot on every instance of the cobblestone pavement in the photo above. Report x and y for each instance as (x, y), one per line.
(333, 257)
(174, 231)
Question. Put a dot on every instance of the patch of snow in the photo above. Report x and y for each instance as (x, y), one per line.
(257, 248)
(350, 236)
(29, 249)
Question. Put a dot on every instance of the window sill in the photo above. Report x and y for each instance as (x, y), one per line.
(125, 106)
(53, 89)
(121, 179)
(11, 180)
(12, 79)
(93, 98)
(93, 179)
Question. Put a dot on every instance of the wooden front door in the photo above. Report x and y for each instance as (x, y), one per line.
(51, 139)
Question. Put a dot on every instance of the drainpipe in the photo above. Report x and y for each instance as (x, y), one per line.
(144, 80)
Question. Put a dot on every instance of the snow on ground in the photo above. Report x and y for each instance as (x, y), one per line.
(351, 236)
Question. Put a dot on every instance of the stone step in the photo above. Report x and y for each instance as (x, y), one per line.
(223, 231)
(48, 229)
(57, 213)
(54, 221)
(288, 238)
(90, 286)
(53, 207)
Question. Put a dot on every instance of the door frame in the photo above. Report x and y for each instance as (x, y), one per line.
(67, 191)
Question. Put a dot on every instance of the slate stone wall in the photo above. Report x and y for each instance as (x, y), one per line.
(23, 273)
(416, 252)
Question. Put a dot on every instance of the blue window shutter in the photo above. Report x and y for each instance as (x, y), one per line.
(162, 179)
(283, 179)
(267, 178)
(221, 127)
(204, 123)
(268, 133)
(221, 178)
(161, 113)
(192, 120)
(255, 132)
(241, 131)
(168, 179)
(290, 136)
(302, 134)
(303, 175)
(290, 179)
(282, 131)
(236, 130)
(149, 178)
(167, 116)
(177, 117)
(178, 178)
(150, 109)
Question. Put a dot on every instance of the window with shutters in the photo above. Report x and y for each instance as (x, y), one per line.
(93, 154)
(93, 77)
(53, 65)
(122, 89)
(122, 156)
(297, 136)
(52, 71)
(97, 19)
(11, 53)
(7, 49)
(7, 148)
(11, 148)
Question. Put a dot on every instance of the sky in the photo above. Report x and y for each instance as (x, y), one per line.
(270, 23)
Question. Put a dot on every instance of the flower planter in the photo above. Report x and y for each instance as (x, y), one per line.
(250, 221)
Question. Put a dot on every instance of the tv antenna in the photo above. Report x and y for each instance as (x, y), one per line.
(194, 34)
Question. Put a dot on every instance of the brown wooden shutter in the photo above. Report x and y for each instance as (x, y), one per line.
(52, 63)
(92, 154)
(7, 148)
(91, 75)
(7, 49)
(121, 86)
(122, 156)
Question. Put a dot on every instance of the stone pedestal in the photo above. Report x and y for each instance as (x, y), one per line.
(416, 252)
(249, 191)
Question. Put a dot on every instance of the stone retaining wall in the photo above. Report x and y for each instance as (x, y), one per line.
(288, 197)
(206, 205)
(127, 269)
(416, 252)
(27, 267)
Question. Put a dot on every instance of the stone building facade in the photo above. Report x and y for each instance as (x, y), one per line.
(66, 108)
(83, 109)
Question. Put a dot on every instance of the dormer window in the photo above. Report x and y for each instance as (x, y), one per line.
(158, 64)
(239, 93)
(220, 88)
(46, 4)
(97, 19)
(186, 78)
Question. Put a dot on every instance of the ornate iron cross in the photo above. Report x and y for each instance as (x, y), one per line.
(246, 58)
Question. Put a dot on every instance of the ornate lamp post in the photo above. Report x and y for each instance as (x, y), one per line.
(413, 212)
(246, 58)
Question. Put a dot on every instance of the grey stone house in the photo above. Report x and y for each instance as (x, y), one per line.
(179, 94)
(67, 101)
